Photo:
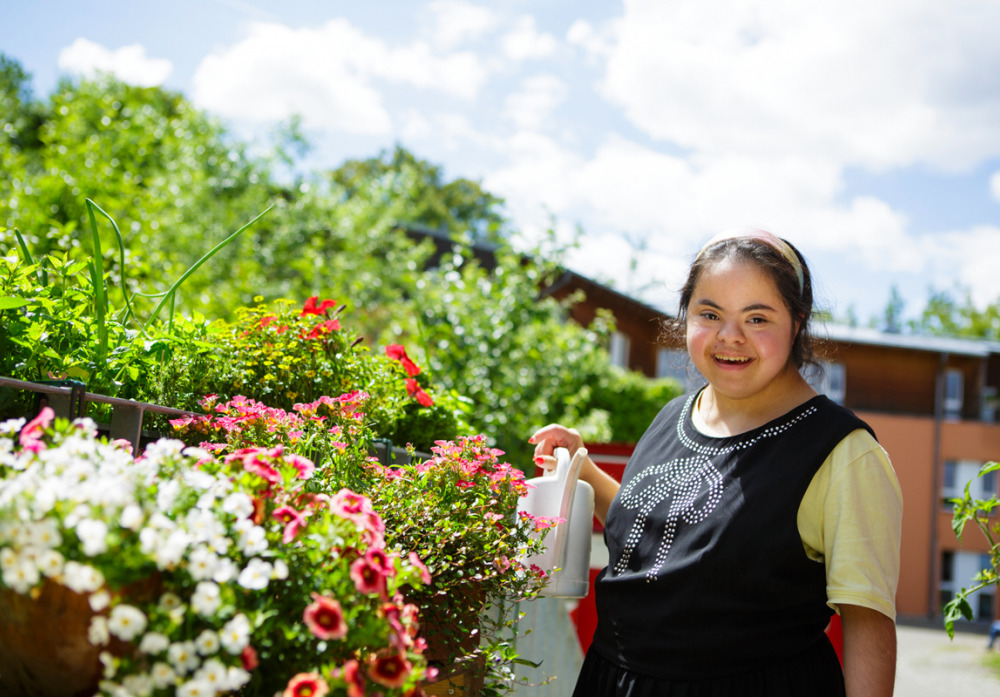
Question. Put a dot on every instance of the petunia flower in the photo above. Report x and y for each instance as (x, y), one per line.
(368, 578)
(313, 306)
(33, 430)
(325, 618)
(414, 390)
(293, 521)
(390, 669)
(397, 352)
(306, 685)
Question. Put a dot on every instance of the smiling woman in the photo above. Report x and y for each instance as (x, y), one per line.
(749, 511)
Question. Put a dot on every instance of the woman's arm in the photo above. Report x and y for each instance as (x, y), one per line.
(869, 652)
(554, 436)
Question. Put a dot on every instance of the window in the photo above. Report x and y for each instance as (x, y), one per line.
(958, 569)
(959, 472)
(829, 379)
(619, 349)
(953, 393)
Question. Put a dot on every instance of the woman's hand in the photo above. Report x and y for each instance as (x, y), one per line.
(553, 436)
(548, 438)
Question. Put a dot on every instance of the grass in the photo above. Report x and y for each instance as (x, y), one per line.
(992, 662)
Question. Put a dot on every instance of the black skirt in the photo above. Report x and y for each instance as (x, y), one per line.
(813, 673)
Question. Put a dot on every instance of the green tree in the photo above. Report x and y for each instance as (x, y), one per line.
(945, 316)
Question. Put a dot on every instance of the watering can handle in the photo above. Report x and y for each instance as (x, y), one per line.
(568, 472)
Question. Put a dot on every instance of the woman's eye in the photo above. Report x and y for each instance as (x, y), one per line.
(709, 315)
(757, 320)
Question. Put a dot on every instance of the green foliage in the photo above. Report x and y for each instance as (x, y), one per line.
(945, 315)
(969, 510)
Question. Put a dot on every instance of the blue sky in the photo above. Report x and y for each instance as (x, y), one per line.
(865, 133)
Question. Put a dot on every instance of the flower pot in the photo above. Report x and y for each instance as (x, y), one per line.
(44, 649)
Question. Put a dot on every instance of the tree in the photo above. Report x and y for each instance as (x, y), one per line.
(946, 316)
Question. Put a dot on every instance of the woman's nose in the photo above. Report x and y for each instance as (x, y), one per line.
(731, 331)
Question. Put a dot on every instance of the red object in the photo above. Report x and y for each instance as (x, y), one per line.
(835, 633)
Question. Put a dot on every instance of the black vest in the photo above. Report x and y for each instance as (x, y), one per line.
(707, 573)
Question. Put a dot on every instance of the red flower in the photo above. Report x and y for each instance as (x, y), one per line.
(293, 520)
(306, 685)
(414, 390)
(397, 352)
(264, 321)
(249, 658)
(326, 327)
(368, 578)
(314, 307)
(325, 618)
(381, 561)
(351, 674)
(390, 669)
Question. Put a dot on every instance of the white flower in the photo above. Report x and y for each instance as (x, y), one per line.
(12, 426)
(99, 600)
(213, 673)
(205, 600)
(252, 540)
(203, 563)
(82, 578)
(236, 678)
(93, 536)
(207, 643)
(21, 576)
(238, 505)
(131, 517)
(139, 685)
(170, 553)
(256, 575)
(44, 534)
(108, 661)
(163, 675)
(235, 635)
(195, 688)
(51, 562)
(183, 656)
(166, 494)
(126, 622)
(196, 478)
(170, 601)
(97, 632)
(202, 525)
(8, 558)
(280, 570)
(154, 643)
(225, 571)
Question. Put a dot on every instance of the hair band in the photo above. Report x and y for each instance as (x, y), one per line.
(767, 238)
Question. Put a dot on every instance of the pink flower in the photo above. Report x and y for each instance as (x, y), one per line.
(348, 504)
(414, 561)
(306, 685)
(33, 430)
(381, 561)
(351, 674)
(293, 520)
(313, 306)
(304, 465)
(325, 618)
(368, 578)
(390, 669)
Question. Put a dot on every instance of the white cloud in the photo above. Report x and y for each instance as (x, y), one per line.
(995, 185)
(595, 44)
(327, 74)
(538, 98)
(129, 63)
(457, 22)
(967, 258)
(845, 81)
(526, 42)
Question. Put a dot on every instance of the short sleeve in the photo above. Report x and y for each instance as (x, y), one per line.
(851, 519)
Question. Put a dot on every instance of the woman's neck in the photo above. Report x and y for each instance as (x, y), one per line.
(715, 414)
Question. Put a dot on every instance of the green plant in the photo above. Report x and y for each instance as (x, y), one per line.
(968, 509)
(207, 574)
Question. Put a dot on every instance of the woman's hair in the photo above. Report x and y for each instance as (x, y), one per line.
(767, 257)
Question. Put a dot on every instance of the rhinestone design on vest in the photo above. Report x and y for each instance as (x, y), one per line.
(682, 481)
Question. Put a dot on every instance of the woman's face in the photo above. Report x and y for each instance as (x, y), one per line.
(739, 331)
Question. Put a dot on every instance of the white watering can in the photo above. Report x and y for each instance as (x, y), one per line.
(559, 493)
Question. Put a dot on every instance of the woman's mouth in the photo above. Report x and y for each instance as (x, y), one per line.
(732, 360)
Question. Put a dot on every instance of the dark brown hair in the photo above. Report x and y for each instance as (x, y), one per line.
(772, 262)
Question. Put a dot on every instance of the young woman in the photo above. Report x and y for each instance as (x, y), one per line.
(749, 512)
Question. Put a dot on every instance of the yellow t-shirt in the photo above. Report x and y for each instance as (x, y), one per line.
(850, 519)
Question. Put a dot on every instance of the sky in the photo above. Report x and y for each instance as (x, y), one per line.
(865, 133)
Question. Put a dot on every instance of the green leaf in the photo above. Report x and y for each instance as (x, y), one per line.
(11, 302)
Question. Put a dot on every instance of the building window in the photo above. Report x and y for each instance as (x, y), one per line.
(953, 393)
(829, 379)
(957, 473)
(619, 350)
(958, 569)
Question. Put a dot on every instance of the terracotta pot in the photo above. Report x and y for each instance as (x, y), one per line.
(44, 649)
